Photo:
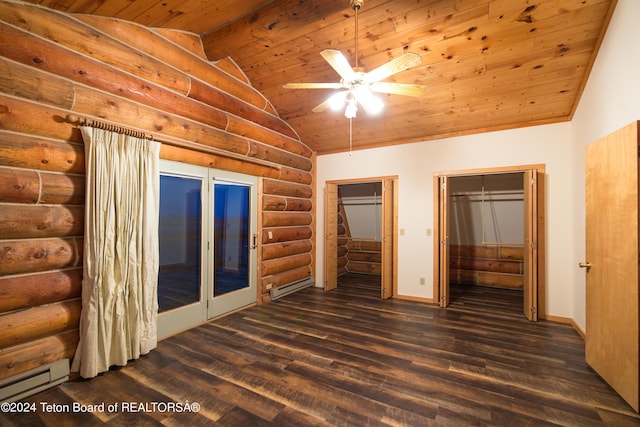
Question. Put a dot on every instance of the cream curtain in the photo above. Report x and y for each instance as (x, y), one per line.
(119, 286)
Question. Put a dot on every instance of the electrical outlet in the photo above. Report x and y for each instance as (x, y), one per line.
(270, 235)
(428, 232)
(269, 286)
(423, 281)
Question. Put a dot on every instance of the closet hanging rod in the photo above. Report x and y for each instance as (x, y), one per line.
(493, 193)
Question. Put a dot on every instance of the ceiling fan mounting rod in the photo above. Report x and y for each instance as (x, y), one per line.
(355, 5)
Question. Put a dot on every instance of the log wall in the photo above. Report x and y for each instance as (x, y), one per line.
(54, 64)
(364, 256)
(499, 266)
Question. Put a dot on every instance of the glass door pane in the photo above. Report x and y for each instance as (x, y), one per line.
(231, 237)
(234, 261)
(182, 227)
(180, 239)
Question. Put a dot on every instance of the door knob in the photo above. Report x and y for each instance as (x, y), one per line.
(586, 265)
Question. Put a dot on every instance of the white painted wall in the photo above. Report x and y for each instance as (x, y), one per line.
(611, 100)
(415, 166)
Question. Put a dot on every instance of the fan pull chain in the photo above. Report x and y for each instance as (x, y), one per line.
(350, 137)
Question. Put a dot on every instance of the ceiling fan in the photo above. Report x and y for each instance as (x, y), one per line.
(359, 87)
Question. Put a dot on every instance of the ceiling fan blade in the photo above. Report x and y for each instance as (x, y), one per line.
(312, 86)
(399, 88)
(322, 106)
(338, 62)
(334, 102)
(394, 66)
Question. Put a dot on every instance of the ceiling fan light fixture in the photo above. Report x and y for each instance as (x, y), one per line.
(352, 107)
(337, 100)
(371, 103)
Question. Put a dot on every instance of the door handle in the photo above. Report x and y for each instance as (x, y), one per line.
(586, 265)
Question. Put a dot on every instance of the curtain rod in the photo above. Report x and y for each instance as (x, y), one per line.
(84, 121)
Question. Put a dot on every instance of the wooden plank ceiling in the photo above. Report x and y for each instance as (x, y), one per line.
(489, 64)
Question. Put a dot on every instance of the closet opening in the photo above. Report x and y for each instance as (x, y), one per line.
(361, 233)
(490, 245)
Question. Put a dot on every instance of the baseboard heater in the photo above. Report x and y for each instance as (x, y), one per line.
(290, 288)
(34, 381)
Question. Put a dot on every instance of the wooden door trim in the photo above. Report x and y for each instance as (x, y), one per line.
(394, 246)
(540, 169)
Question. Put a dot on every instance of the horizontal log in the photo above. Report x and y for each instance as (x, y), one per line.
(501, 280)
(189, 41)
(279, 265)
(19, 186)
(31, 187)
(27, 82)
(40, 221)
(467, 277)
(30, 290)
(31, 152)
(284, 249)
(248, 120)
(47, 55)
(364, 245)
(285, 234)
(342, 251)
(482, 264)
(264, 152)
(28, 118)
(342, 230)
(247, 127)
(115, 109)
(62, 189)
(364, 268)
(474, 251)
(36, 255)
(289, 276)
(370, 257)
(295, 175)
(22, 326)
(273, 203)
(179, 154)
(285, 219)
(282, 188)
(37, 353)
(342, 262)
(295, 204)
(146, 40)
(75, 35)
(229, 66)
(492, 252)
(509, 252)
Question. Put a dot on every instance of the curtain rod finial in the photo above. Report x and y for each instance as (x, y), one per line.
(73, 119)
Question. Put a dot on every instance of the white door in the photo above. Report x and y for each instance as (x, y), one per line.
(208, 262)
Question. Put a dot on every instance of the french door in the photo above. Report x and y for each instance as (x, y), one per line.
(207, 233)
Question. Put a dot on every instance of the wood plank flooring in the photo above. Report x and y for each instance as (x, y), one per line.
(348, 358)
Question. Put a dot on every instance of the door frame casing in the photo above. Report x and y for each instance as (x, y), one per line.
(440, 242)
(330, 212)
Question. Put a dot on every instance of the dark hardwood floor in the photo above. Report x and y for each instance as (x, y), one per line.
(348, 358)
